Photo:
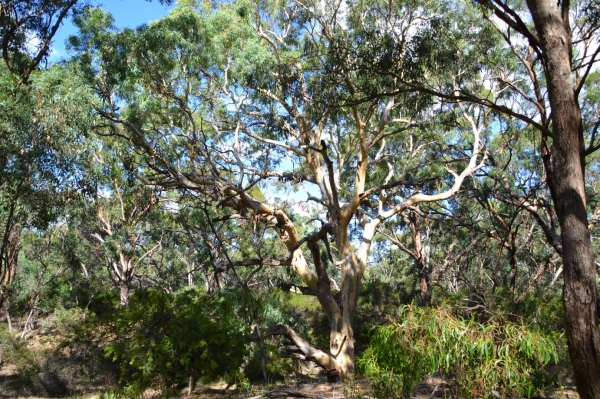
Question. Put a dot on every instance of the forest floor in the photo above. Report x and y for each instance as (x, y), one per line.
(315, 387)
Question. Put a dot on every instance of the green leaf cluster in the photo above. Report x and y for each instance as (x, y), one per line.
(162, 340)
(508, 358)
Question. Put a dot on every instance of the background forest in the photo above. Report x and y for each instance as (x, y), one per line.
(387, 189)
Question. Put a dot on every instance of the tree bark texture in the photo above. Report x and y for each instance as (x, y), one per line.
(124, 293)
(303, 350)
(124, 278)
(420, 259)
(9, 254)
(567, 177)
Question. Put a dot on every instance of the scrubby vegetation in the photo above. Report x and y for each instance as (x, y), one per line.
(165, 342)
(476, 358)
(395, 190)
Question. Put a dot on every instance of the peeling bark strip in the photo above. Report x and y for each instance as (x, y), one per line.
(567, 175)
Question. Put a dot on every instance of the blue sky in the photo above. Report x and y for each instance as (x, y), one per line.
(127, 14)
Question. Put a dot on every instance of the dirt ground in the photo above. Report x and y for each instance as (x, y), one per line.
(430, 388)
(315, 387)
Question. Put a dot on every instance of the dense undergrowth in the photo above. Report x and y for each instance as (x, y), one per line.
(166, 341)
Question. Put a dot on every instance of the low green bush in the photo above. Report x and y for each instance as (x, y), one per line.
(162, 340)
(38, 372)
(14, 351)
(507, 358)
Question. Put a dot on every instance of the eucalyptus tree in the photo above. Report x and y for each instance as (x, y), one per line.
(475, 246)
(513, 192)
(43, 148)
(40, 123)
(220, 100)
(531, 62)
(50, 277)
(119, 219)
(503, 219)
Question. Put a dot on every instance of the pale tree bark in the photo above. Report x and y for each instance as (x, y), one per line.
(121, 269)
(420, 257)
(125, 275)
(567, 177)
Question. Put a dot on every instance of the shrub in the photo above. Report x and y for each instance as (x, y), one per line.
(14, 351)
(508, 358)
(163, 340)
(39, 371)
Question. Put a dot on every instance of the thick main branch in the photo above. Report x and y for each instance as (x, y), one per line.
(308, 352)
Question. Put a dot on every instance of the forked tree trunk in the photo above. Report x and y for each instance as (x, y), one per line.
(340, 359)
(568, 194)
(338, 362)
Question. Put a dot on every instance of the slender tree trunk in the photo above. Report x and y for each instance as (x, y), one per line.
(9, 255)
(4, 301)
(30, 322)
(567, 178)
(420, 259)
(261, 348)
(125, 279)
(352, 272)
(124, 293)
(190, 278)
(191, 384)
(8, 321)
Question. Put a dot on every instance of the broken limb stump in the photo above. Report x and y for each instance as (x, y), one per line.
(305, 351)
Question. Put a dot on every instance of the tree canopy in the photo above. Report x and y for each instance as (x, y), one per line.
(447, 150)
